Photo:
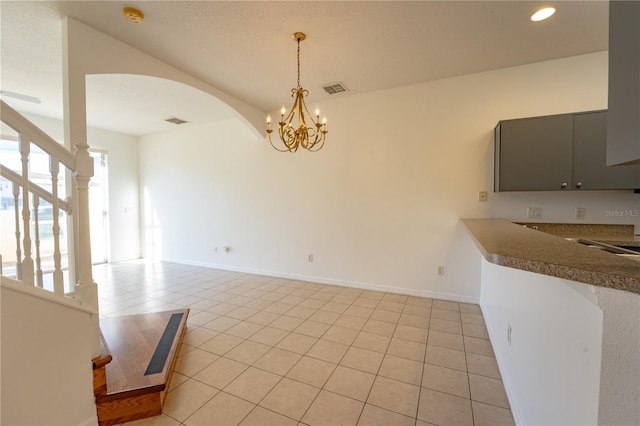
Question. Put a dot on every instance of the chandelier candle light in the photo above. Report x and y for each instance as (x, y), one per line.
(309, 137)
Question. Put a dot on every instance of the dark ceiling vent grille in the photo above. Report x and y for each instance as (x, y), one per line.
(175, 120)
(335, 88)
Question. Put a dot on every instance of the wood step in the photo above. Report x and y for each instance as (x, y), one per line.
(144, 349)
(100, 367)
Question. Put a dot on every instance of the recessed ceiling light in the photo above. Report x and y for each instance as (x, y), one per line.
(543, 14)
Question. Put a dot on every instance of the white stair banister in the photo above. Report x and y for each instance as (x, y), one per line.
(36, 222)
(58, 278)
(16, 209)
(27, 261)
(79, 165)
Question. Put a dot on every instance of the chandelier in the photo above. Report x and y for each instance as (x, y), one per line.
(310, 133)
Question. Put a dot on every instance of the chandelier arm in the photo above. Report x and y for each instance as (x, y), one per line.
(314, 149)
(308, 113)
(284, 140)
(276, 148)
(318, 138)
(292, 112)
(302, 121)
(289, 118)
(288, 137)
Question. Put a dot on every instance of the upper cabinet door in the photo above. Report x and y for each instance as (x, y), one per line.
(623, 132)
(534, 154)
(589, 151)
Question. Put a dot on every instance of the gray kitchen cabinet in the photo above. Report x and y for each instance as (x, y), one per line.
(557, 152)
(589, 169)
(623, 141)
(533, 154)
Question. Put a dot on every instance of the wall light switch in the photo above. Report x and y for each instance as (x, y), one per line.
(482, 196)
(580, 213)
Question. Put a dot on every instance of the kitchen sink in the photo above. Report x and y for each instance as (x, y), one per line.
(632, 248)
(632, 252)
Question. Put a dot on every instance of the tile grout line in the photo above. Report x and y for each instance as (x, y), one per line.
(338, 364)
(424, 361)
(239, 287)
(364, 405)
(466, 362)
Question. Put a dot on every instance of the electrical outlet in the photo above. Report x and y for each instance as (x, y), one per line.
(580, 213)
(227, 249)
(534, 212)
(482, 196)
(440, 269)
(310, 258)
(509, 334)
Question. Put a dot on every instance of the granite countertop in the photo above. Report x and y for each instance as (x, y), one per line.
(515, 246)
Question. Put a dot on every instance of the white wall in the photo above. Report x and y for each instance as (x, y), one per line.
(124, 205)
(379, 205)
(124, 198)
(612, 207)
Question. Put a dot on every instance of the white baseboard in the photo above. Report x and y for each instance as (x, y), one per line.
(92, 421)
(333, 281)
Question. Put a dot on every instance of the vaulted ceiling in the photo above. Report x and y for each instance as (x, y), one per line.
(245, 48)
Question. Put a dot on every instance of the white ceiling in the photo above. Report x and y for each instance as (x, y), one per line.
(245, 49)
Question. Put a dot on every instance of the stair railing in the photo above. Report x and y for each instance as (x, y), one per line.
(27, 198)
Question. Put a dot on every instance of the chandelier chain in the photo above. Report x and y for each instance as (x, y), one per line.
(298, 62)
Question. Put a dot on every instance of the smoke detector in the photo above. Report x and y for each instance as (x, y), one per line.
(133, 14)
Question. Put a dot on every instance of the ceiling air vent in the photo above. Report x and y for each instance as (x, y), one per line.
(335, 88)
(175, 120)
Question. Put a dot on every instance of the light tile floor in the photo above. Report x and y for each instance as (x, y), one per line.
(271, 351)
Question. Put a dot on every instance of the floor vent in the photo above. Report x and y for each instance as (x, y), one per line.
(175, 120)
(335, 88)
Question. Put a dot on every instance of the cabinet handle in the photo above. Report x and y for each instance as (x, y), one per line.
(564, 185)
(579, 185)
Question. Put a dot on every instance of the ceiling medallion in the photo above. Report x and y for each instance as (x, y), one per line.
(310, 137)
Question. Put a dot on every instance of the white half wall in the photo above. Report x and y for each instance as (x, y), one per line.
(551, 368)
(379, 206)
(573, 356)
(47, 374)
(620, 372)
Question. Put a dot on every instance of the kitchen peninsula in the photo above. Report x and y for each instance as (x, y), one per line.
(564, 323)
